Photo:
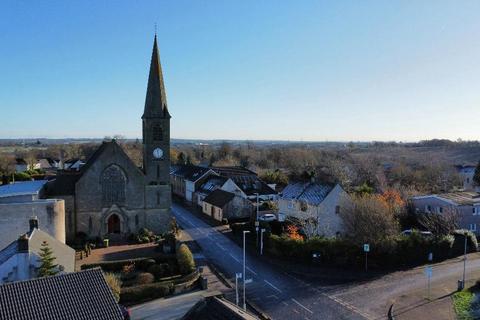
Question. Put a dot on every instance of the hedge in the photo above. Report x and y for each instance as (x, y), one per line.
(140, 263)
(394, 252)
(185, 261)
(130, 295)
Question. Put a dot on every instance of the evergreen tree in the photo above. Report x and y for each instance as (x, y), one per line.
(47, 267)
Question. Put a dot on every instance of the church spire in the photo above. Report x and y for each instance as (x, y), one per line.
(156, 100)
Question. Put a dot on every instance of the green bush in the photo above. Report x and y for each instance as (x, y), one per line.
(160, 270)
(144, 278)
(22, 176)
(459, 243)
(132, 295)
(185, 260)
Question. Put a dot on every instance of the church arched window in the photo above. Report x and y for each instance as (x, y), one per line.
(113, 185)
(157, 132)
(136, 220)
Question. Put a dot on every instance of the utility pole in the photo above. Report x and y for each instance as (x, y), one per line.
(244, 275)
(257, 224)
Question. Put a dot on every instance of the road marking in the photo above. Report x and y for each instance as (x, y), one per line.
(301, 305)
(231, 255)
(349, 306)
(286, 304)
(271, 285)
(272, 296)
(252, 271)
(296, 311)
(220, 246)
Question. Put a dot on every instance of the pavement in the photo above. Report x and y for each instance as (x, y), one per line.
(278, 294)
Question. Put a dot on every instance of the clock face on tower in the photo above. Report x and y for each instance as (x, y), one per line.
(157, 153)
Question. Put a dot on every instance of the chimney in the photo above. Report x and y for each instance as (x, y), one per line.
(33, 223)
(23, 243)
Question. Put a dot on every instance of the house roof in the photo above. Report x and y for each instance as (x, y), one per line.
(214, 308)
(22, 188)
(461, 198)
(251, 185)
(232, 171)
(77, 296)
(190, 172)
(312, 193)
(219, 198)
(212, 183)
(63, 184)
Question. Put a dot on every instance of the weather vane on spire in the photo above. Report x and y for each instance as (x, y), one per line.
(155, 29)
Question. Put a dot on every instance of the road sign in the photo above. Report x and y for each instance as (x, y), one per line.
(430, 256)
(366, 247)
(248, 281)
(238, 275)
(257, 223)
(428, 271)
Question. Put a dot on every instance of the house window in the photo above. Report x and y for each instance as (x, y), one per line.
(473, 227)
(440, 209)
(113, 183)
(212, 210)
(337, 209)
(290, 205)
(428, 209)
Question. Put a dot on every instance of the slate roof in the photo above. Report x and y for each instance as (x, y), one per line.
(214, 308)
(190, 172)
(461, 198)
(22, 188)
(63, 184)
(212, 183)
(219, 198)
(312, 193)
(252, 184)
(233, 171)
(83, 295)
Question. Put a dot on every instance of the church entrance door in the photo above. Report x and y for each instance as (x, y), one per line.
(113, 224)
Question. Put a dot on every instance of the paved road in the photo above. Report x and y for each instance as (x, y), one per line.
(278, 294)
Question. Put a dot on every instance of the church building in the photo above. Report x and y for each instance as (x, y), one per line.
(110, 195)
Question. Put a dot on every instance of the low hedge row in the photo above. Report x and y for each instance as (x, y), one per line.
(140, 263)
(142, 293)
(395, 252)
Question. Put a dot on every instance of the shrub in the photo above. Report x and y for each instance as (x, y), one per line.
(144, 278)
(114, 283)
(185, 260)
(22, 176)
(459, 243)
(160, 270)
(145, 264)
(145, 292)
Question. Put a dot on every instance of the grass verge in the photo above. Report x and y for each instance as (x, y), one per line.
(462, 303)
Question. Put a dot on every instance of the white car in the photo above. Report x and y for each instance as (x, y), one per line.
(267, 217)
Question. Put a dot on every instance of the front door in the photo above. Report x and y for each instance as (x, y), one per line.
(113, 224)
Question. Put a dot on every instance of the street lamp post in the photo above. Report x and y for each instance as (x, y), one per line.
(244, 275)
(464, 260)
(256, 223)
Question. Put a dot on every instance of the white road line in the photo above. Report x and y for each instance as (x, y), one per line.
(252, 271)
(271, 285)
(220, 246)
(231, 255)
(301, 305)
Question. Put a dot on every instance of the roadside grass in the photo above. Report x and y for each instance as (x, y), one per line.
(463, 303)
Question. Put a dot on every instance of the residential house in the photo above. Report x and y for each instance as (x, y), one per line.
(73, 164)
(46, 163)
(220, 204)
(74, 296)
(21, 258)
(315, 205)
(466, 173)
(186, 179)
(210, 184)
(464, 205)
(20, 201)
(20, 165)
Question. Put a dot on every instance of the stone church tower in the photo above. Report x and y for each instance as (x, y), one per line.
(110, 196)
(156, 146)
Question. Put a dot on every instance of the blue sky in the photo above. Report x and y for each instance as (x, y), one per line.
(289, 70)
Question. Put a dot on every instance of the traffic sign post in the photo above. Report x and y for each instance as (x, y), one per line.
(237, 276)
(428, 273)
(366, 249)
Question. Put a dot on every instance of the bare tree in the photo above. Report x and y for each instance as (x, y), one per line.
(440, 224)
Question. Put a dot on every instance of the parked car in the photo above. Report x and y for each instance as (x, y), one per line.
(268, 217)
(410, 231)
